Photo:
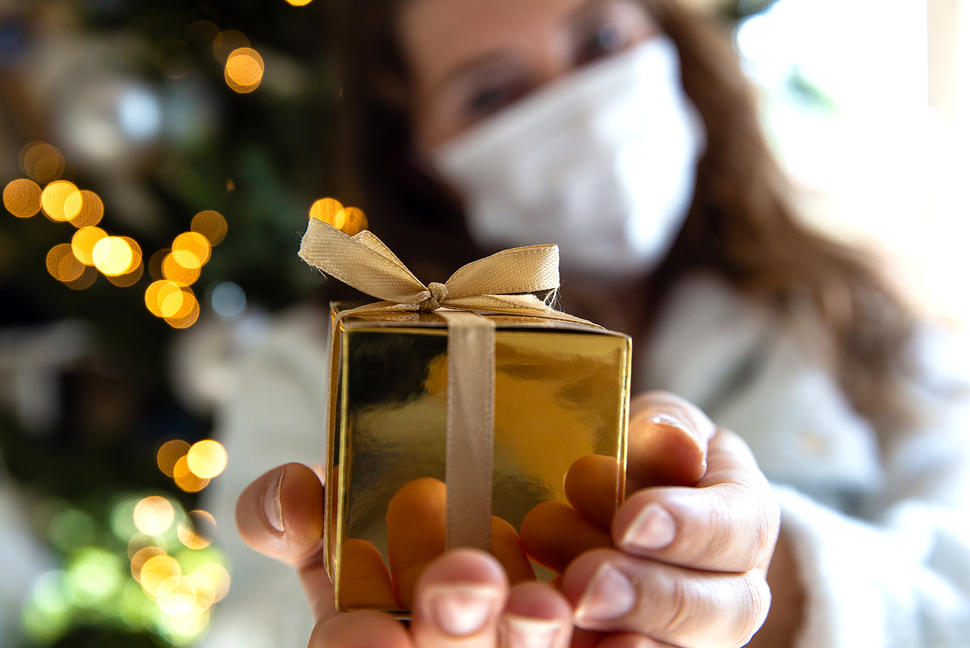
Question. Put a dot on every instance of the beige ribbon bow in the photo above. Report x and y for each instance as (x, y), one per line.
(494, 284)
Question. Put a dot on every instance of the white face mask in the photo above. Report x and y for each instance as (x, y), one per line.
(601, 163)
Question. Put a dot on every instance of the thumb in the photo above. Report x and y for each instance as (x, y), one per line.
(280, 515)
(668, 440)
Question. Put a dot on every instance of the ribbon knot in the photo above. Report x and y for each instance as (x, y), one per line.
(439, 292)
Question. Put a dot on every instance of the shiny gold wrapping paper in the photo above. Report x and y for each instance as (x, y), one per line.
(561, 392)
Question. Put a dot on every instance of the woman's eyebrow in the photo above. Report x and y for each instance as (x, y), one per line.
(489, 60)
(471, 67)
(585, 11)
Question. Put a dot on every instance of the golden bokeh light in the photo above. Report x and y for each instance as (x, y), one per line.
(227, 41)
(57, 197)
(197, 533)
(191, 250)
(244, 70)
(91, 209)
(169, 453)
(298, 3)
(42, 161)
(205, 590)
(160, 575)
(21, 197)
(190, 538)
(87, 278)
(186, 320)
(128, 279)
(207, 459)
(83, 242)
(112, 256)
(139, 540)
(185, 479)
(218, 576)
(350, 220)
(142, 556)
(177, 304)
(204, 522)
(136, 255)
(159, 293)
(176, 272)
(181, 600)
(153, 515)
(155, 264)
(62, 264)
(210, 224)
(325, 209)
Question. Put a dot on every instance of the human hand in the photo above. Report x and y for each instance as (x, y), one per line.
(684, 560)
(461, 598)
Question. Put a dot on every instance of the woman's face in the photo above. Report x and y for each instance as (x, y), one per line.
(471, 58)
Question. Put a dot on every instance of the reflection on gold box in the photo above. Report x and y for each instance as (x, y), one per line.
(561, 393)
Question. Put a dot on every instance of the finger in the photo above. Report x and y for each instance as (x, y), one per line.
(359, 630)
(536, 615)
(554, 533)
(416, 536)
(415, 533)
(364, 580)
(592, 487)
(458, 601)
(729, 524)
(668, 439)
(617, 593)
(280, 515)
(507, 549)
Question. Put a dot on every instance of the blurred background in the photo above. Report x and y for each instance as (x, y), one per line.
(159, 159)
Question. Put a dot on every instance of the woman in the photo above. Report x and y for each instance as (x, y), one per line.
(624, 132)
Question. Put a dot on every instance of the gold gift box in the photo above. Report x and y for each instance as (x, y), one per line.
(561, 393)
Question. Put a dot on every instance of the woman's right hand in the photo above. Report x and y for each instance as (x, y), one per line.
(684, 560)
(462, 598)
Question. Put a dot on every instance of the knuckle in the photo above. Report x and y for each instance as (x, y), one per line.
(682, 610)
(753, 605)
(738, 539)
(758, 531)
(765, 533)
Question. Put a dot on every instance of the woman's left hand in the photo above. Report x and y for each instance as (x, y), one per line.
(688, 563)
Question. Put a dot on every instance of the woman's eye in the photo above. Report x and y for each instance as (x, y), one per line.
(490, 99)
(604, 41)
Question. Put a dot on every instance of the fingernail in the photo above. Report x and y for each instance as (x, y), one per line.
(272, 506)
(664, 417)
(609, 595)
(654, 528)
(462, 610)
(529, 632)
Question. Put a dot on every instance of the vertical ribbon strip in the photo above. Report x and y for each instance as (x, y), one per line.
(471, 429)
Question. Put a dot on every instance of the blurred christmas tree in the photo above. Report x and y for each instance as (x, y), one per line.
(125, 126)
(159, 160)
